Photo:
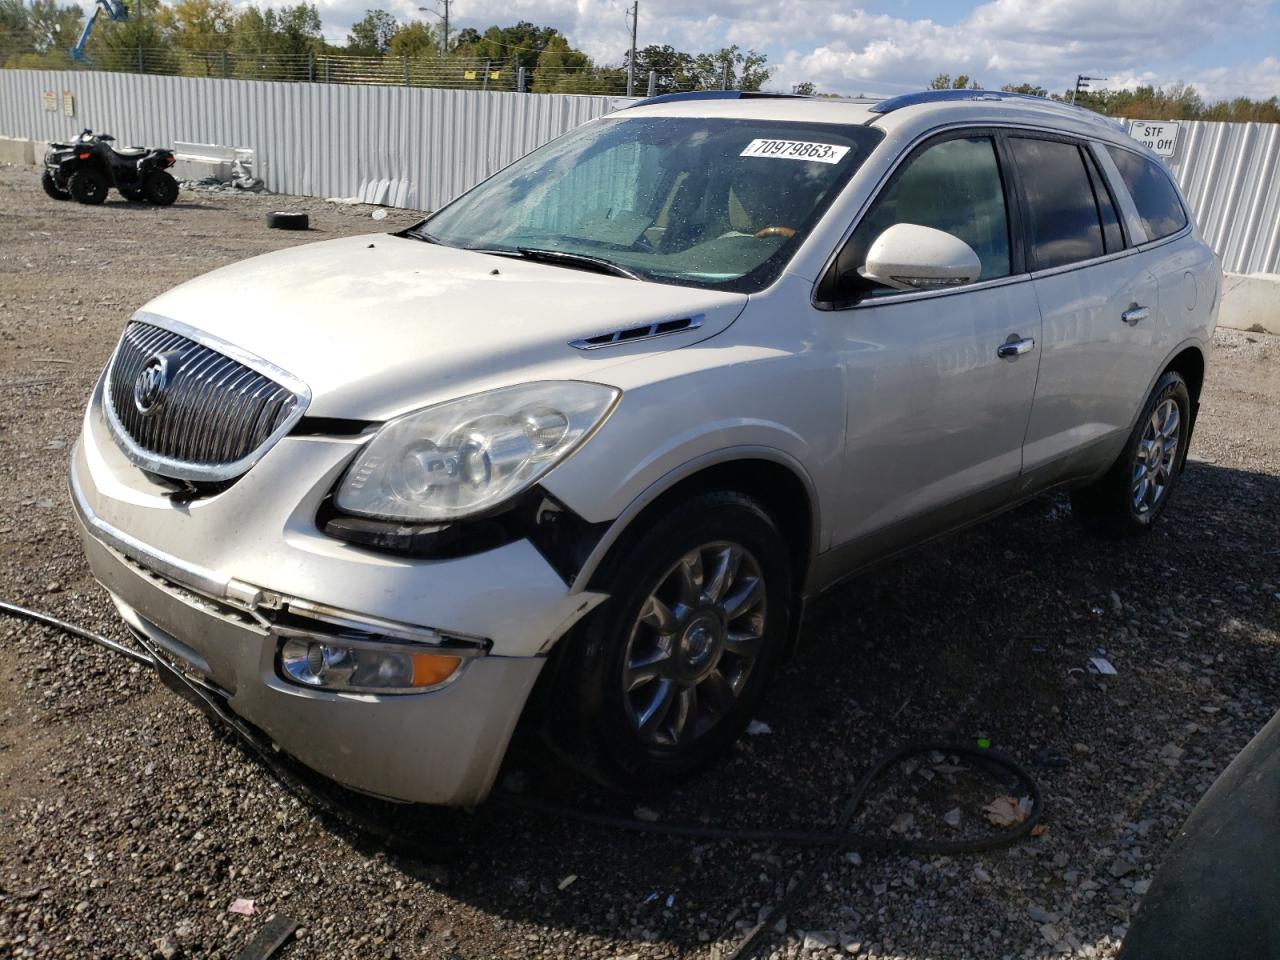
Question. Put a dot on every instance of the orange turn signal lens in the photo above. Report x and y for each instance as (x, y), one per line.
(432, 668)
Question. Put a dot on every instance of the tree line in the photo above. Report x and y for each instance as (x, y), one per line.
(215, 37)
(1180, 101)
(190, 36)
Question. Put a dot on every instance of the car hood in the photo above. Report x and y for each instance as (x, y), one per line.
(377, 325)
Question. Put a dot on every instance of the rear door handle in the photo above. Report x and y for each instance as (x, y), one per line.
(1011, 349)
(1135, 315)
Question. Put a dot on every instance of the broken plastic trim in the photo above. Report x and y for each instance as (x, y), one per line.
(266, 607)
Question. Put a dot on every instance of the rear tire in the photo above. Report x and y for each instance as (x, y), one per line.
(1135, 491)
(51, 187)
(88, 186)
(160, 188)
(661, 679)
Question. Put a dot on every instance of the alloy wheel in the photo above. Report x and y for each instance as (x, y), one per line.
(1153, 464)
(696, 639)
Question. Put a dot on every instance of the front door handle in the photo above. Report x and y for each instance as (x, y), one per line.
(1013, 348)
(1135, 314)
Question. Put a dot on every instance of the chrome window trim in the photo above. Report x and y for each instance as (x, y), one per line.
(910, 296)
(182, 470)
(1184, 232)
(1082, 264)
(905, 152)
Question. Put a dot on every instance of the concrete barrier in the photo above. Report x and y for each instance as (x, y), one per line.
(17, 150)
(1251, 302)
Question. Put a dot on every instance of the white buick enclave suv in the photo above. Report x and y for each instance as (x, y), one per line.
(604, 422)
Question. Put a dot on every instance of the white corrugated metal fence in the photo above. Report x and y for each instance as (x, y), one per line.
(421, 147)
(401, 146)
(1230, 174)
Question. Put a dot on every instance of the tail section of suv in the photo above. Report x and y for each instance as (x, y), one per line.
(605, 421)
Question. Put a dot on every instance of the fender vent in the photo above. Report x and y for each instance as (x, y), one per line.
(647, 332)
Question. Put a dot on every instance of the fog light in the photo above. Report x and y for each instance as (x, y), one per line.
(333, 663)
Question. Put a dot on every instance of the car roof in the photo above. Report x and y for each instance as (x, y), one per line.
(910, 113)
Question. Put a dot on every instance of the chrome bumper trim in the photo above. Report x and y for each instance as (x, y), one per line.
(255, 600)
(181, 572)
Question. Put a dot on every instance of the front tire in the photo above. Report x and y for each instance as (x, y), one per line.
(665, 675)
(1132, 495)
(160, 188)
(51, 187)
(88, 186)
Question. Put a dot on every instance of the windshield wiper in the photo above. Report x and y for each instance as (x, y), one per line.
(585, 261)
(420, 234)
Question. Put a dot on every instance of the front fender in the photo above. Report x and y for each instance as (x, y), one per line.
(703, 405)
(684, 471)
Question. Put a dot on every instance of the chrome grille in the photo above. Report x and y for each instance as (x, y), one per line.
(215, 410)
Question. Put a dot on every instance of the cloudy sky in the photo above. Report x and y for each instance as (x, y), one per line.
(1224, 48)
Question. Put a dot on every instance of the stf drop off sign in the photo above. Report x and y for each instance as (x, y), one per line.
(1160, 135)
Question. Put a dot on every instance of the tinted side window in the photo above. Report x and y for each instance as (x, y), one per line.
(1112, 235)
(1062, 217)
(954, 186)
(1153, 193)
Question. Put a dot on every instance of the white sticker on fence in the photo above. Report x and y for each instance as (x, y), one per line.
(795, 150)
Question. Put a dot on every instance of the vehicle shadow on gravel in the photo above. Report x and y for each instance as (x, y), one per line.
(987, 634)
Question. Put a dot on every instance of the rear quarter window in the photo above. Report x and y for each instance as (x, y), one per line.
(1153, 193)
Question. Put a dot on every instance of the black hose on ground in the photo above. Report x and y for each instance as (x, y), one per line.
(831, 841)
(22, 613)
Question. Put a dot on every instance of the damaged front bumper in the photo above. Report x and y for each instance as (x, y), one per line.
(223, 632)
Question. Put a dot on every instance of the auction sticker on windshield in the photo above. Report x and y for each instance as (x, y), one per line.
(795, 150)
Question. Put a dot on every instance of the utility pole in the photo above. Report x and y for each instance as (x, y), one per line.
(443, 15)
(1082, 83)
(631, 62)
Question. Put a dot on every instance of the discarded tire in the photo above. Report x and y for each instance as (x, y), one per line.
(288, 221)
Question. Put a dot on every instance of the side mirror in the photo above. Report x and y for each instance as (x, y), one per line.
(909, 256)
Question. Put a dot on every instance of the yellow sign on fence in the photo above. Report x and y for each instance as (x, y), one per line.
(68, 103)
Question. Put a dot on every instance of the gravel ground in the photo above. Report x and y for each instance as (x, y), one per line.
(128, 825)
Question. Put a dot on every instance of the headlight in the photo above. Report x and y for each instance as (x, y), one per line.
(344, 665)
(466, 456)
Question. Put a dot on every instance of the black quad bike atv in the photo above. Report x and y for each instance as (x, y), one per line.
(85, 169)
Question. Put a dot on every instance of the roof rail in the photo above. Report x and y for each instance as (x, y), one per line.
(947, 96)
(710, 95)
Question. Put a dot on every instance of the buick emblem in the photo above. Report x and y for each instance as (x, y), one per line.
(149, 387)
